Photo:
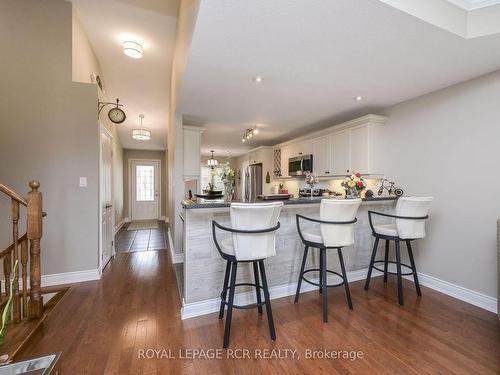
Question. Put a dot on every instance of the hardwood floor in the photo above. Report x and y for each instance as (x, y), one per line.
(102, 326)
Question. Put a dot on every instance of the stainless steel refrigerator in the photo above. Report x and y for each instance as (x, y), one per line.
(253, 182)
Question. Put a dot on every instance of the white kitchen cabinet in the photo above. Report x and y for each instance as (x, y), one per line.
(255, 157)
(300, 148)
(192, 150)
(285, 155)
(339, 153)
(359, 149)
(321, 149)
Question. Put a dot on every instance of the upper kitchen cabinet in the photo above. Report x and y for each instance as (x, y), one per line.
(359, 147)
(322, 155)
(285, 155)
(339, 160)
(192, 150)
(365, 147)
(355, 147)
(300, 148)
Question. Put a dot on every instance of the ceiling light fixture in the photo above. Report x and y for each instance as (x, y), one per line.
(141, 134)
(248, 134)
(358, 98)
(133, 49)
(212, 162)
(257, 79)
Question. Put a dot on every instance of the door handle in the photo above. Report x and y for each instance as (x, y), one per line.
(108, 206)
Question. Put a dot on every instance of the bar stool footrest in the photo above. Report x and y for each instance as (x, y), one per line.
(392, 262)
(317, 284)
(249, 306)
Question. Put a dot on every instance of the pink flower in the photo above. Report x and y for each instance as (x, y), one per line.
(357, 174)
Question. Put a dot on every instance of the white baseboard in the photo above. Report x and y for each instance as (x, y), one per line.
(176, 258)
(191, 310)
(70, 277)
(474, 298)
(119, 226)
(65, 278)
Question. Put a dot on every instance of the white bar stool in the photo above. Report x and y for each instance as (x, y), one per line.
(253, 228)
(335, 230)
(409, 225)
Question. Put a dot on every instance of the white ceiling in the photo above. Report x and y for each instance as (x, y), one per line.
(143, 85)
(315, 57)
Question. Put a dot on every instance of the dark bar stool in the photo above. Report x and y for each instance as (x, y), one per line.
(253, 229)
(409, 225)
(335, 231)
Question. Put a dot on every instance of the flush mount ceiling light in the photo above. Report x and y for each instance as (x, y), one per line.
(141, 134)
(212, 162)
(249, 133)
(358, 98)
(257, 79)
(133, 49)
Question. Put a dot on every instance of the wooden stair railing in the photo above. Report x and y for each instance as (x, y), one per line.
(28, 301)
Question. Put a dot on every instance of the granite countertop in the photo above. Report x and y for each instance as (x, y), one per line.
(193, 204)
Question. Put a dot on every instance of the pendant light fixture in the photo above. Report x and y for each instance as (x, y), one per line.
(212, 162)
(141, 134)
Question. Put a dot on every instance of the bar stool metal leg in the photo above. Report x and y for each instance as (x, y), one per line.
(400, 278)
(386, 260)
(344, 276)
(227, 329)
(370, 267)
(269, 311)
(257, 285)
(224, 288)
(413, 268)
(324, 284)
(320, 272)
(299, 284)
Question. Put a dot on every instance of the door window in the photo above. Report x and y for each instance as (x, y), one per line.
(145, 178)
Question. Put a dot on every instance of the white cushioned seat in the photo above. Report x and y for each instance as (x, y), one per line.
(312, 234)
(227, 246)
(386, 229)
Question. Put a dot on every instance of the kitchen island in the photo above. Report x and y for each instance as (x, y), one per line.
(203, 268)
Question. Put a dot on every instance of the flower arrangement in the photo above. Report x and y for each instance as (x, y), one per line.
(354, 184)
(227, 174)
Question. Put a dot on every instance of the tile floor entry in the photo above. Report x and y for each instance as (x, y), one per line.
(143, 224)
(141, 239)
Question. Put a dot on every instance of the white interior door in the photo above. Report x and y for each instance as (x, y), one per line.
(145, 181)
(106, 200)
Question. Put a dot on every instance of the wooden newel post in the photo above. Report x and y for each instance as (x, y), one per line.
(34, 236)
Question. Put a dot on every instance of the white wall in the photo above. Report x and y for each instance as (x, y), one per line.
(445, 144)
(84, 63)
(49, 131)
(188, 12)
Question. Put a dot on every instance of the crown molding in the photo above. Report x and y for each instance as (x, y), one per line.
(372, 119)
(469, 5)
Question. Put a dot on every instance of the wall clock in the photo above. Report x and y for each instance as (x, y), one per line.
(116, 114)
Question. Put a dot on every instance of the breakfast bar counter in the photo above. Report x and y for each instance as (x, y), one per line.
(203, 268)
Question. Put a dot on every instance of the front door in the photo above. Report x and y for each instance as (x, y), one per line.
(106, 198)
(145, 182)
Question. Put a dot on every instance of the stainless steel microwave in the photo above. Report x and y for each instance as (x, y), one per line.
(300, 165)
